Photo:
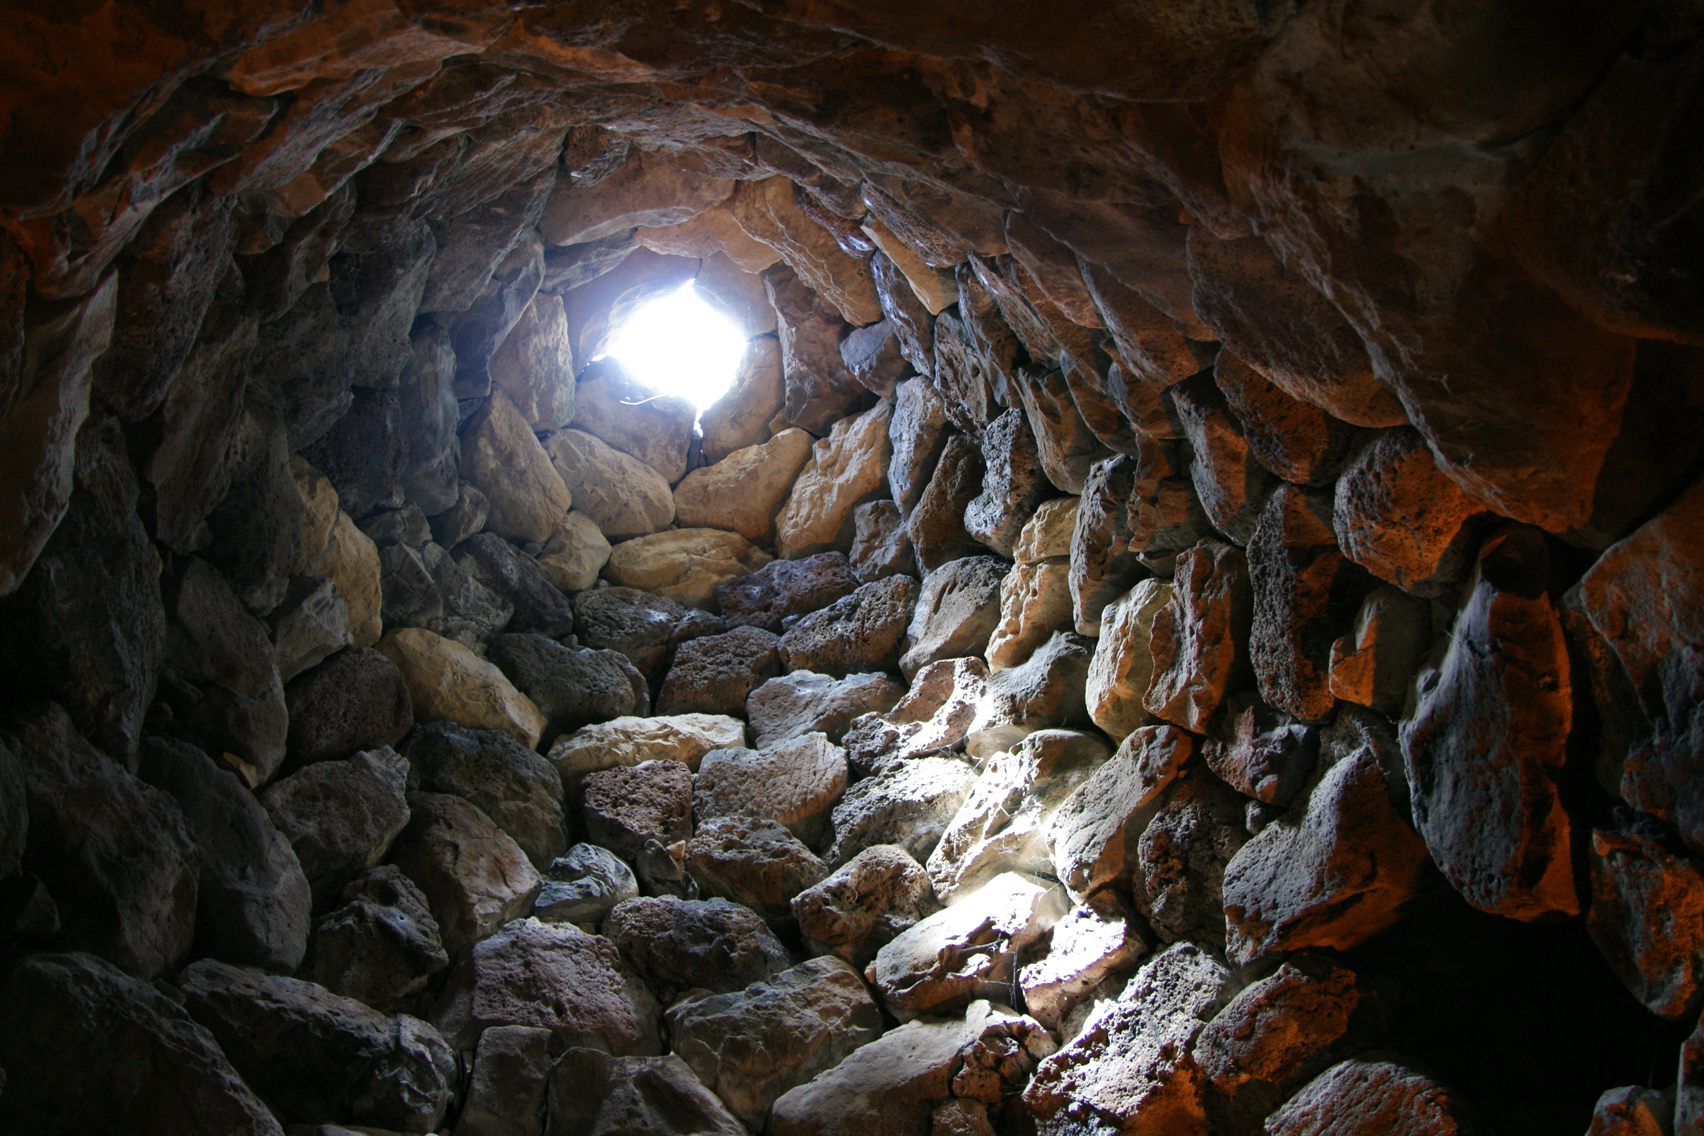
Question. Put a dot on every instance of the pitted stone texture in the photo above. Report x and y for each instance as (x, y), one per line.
(1338, 866)
(1646, 912)
(1297, 441)
(745, 490)
(859, 908)
(845, 469)
(474, 876)
(752, 1045)
(861, 632)
(640, 625)
(583, 886)
(1178, 880)
(684, 944)
(936, 522)
(503, 460)
(310, 624)
(1397, 515)
(1096, 940)
(1374, 1094)
(909, 803)
(768, 210)
(1123, 664)
(519, 580)
(381, 946)
(874, 357)
(1374, 664)
(1200, 638)
(880, 545)
(624, 808)
(1260, 752)
(472, 612)
(1094, 833)
(716, 673)
(684, 564)
(341, 816)
(918, 432)
(1485, 746)
(594, 1094)
(777, 594)
(685, 738)
(752, 861)
(957, 610)
(1012, 486)
(355, 700)
(1064, 443)
(1230, 482)
(900, 301)
(1035, 601)
(805, 702)
(934, 715)
(1047, 690)
(794, 782)
(1304, 589)
(629, 416)
(518, 789)
(618, 493)
(570, 688)
(1633, 1110)
(1002, 825)
(446, 681)
(549, 976)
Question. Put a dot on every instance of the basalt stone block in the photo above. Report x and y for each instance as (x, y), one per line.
(1260, 752)
(571, 688)
(310, 624)
(804, 702)
(381, 947)
(1094, 833)
(1397, 515)
(918, 432)
(871, 898)
(472, 873)
(1013, 484)
(680, 944)
(1045, 691)
(1178, 876)
(845, 469)
(794, 782)
(622, 495)
(593, 1094)
(356, 700)
(860, 632)
(584, 886)
(909, 804)
(517, 788)
(716, 673)
(774, 596)
(1374, 1093)
(625, 808)
(936, 524)
(957, 610)
(933, 716)
(519, 580)
(1645, 894)
(1199, 641)
(640, 625)
(752, 861)
(880, 545)
(341, 816)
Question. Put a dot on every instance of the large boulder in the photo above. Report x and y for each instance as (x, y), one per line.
(684, 564)
(752, 861)
(1013, 484)
(858, 909)
(1179, 872)
(794, 782)
(341, 816)
(778, 594)
(805, 702)
(620, 494)
(640, 625)
(1096, 942)
(685, 738)
(1123, 664)
(1644, 893)
(472, 873)
(1200, 638)
(584, 886)
(518, 789)
(1046, 690)
(1375, 1093)
(683, 944)
(353, 701)
(622, 411)
(624, 809)
(519, 581)
(744, 491)
(936, 522)
(909, 803)
(957, 610)
(860, 632)
(935, 715)
(594, 1094)
(448, 682)
(845, 469)
(715, 674)
(1397, 515)
(381, 946)
(503, 460)
(1094, 833)
(570, 688)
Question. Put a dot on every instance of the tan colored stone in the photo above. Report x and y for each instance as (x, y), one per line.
(1374, 663)
(1124, 663)
(448, 681)
(767, 212)
(622, 742)
(712, 231)
(745, 490)
(503, 460)
(649, 189)
(936, 288)
(1200, 638)
(535, 365)
(736, 294)
(1035, 601)
(741, 417)
(1047, 533)
(635, 419)
(319, 509)
(845, 470)
(575, 553)
(684, 564)
(351, 561)
(619, 493)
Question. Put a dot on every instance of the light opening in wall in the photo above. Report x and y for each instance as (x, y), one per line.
(679, 345)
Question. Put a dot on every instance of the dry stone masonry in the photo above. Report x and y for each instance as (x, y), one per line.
(1189, 619)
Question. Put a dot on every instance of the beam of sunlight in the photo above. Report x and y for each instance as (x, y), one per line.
(679, 345)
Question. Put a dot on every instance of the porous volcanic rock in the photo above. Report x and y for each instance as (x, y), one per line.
(860, 907)
(355, 700)
(685, 944)
(794, 782)
(804, 702)
(715, 674)
(860, 632)
(341, 816)
(518, 789)
(783, 589)
(472, 873)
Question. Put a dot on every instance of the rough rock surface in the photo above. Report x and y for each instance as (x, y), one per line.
(861, 632)
(1123, 664)
(1643, 897)
(685, 944)
(381, 946)
(448, 682)
(752, 861)
(804, 702)
(518, 789)
(584, 885)
(473, 874)
(936, 522)
(845, 469)
(1095, 831)
(794, 782)
(1374, 1093)
(1095, 941)
(1398, 516)
(715, 674)
(934, 715)
(777, 594)
(685, 738)
(880, 545)
(341, 816)
(871, 898)
(1047, 690)
(957, 610)
(687, 565)
(355, 700)
(909, 803)
(503, 460)
(570, 688)
(1199, 641)
(1012, 486)
(624, 808)
(619, 494)
(744, 491)
(594, 1094)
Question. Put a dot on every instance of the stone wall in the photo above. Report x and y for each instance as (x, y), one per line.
(1190, 618)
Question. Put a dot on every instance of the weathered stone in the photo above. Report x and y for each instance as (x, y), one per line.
(752, 861)
(1372, 1094)
(845, 470)
(859, 908)
(894, 1084)
(341, 816)
(505, 1095)
(225, 679)
(1645, 897)
(1199, 639)
(874, 357)
(936, 524)
(638, 624)
(1397, 515)
(535, 365)
(1297, 441)
(570, 688)
(918, 431)
(1003, 824)
(741, 417)
(625, 807)
(1095, 831)
(1130, 1069)
(1260, 752)
(362, 454)
(1096, 940)
(1110, 535)
(909, 804)
(519, 581)
(312, 1054)
(381, 947)
(428, 414)
(794, 783)
(1632, 1110)
(584, 886)
(957, 610)
(253, 533)
(684, 564)
(681, 944)
(646, 189)
(309, 624)
(548, 976)
(593, 1094)
(160, 1072)
(519, 790)
(774, 596)
(1013, 485)
(805, 702)
(575, 553)
(1486, 743)
(411, 597)
(1123, 665)
(715, 674)
(350, 560)
(880, 545)
(1338, 866)
(446, 681)
(1230, 482)
(861, 632)
(751, 1046)
(685, 738)
(1035, 601)
(1181, 855)
(1064, 443)
(768, 211)
(745, 490)
(472, 612)
(462, 519)
(526, 496)
(933, 716)
(114, 852)
(251, 896)
(628, 416)
(1045, 691)
(622, 495)
(473, 874)
(1374, 664)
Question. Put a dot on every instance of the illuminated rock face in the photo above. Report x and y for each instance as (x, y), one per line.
(1210, 503)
